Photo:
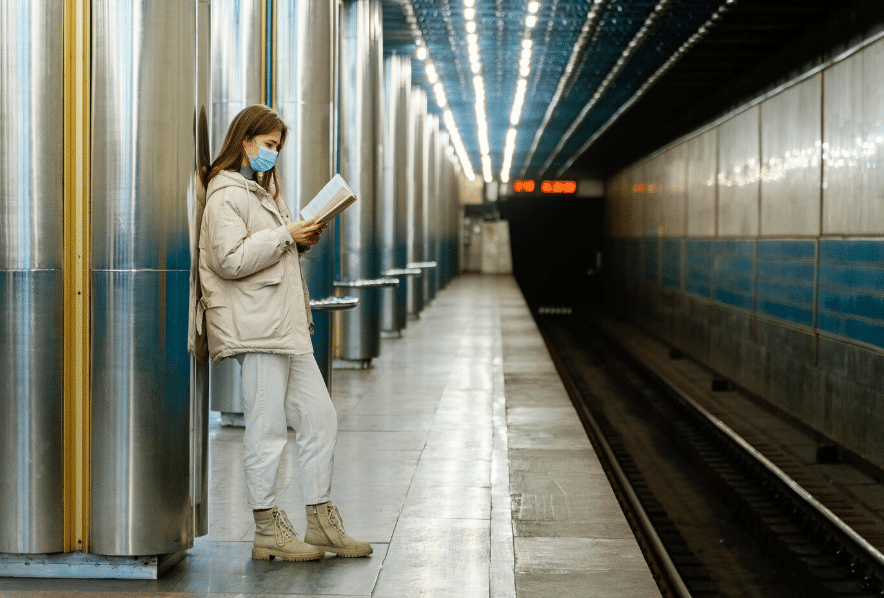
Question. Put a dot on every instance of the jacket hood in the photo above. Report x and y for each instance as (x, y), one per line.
(228, 178)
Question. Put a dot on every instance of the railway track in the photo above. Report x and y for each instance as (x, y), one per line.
(804, 546)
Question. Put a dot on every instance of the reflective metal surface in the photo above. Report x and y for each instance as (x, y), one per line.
(739, 172)
(31, 282)
(853, 148)
(672, 170)
(417, 200)
(236, 83)
(402, 272)
(446, 205)
(791, 149)
(393, 201)
(31, 411)
(431, 206)
(357, 332)
(334, 303)
(144, 73)
(199, 371)
(700, 183)
(306, 71)
(368, 283)
(236, 59)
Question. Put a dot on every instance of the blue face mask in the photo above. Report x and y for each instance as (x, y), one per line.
(265, 160)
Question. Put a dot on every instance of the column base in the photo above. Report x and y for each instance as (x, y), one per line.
(79, 565)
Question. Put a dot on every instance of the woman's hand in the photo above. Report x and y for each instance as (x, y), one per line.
(305, 233)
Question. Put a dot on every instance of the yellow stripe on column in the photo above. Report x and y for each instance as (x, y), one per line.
(77, 256)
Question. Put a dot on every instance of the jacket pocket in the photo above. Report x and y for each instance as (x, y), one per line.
(258, 307)
(216, 318)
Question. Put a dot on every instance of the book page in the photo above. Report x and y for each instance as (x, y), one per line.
(331, 200)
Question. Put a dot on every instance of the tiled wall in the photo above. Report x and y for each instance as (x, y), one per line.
(758, 246)
(786, 275)
(851, 289)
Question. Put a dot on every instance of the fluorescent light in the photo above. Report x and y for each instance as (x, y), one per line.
(533, 7)
(439, 90)
(471, 26)
(469, 14)
(509, 148)
(459, 148)
(486, 168)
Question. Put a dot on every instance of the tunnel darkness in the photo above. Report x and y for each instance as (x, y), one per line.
(554, 242)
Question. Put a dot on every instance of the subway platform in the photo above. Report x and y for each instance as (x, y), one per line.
(459, 457)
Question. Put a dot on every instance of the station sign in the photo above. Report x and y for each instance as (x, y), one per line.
(546, 187)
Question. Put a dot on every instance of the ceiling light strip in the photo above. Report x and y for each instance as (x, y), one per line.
(422, 54)
(634, 45)
(676, 56)
(521, 87)
(470, 24)
(586, 32)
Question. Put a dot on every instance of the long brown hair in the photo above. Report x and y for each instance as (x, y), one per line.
(251, 121)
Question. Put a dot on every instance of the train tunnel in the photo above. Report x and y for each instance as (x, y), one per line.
(706, 171)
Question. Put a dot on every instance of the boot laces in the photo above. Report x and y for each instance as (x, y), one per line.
(335, 519)
(284, 530)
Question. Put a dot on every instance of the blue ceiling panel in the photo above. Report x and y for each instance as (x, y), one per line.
(590, 58)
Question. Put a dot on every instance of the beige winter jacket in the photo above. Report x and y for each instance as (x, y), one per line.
(253, 295)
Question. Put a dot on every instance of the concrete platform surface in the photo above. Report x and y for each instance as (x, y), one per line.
(459, 457)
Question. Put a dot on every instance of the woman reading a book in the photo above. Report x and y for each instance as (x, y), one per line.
(257, 309)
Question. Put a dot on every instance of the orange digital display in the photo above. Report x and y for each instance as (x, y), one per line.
(523, 186)
(528, 186)
(558, 186)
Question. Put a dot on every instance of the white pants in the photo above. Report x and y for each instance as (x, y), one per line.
(280, 390)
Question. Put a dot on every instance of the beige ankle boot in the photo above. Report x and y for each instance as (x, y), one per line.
(275, 536)
(325, 530)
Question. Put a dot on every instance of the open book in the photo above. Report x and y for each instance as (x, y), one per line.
(331, 200)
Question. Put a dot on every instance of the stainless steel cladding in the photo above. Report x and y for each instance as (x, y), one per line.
(31, 277)
(236, 83)
(393, 204)
(416, 220)
(359, 328)
(144, 63)
(431, 208)
(444, 242)
(236, 62)
(199, 371)
(306, 71)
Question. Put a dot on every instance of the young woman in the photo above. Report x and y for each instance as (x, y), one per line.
(257, 309)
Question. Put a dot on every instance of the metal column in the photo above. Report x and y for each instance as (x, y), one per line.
(31, 278)
(416, 231)
(144, 57)
(393, 205)
(306, 71)
(357, 331)
(237, 82)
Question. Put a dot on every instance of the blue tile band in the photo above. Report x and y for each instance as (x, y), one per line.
(836, 285)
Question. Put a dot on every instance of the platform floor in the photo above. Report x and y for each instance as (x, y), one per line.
(459, 457)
